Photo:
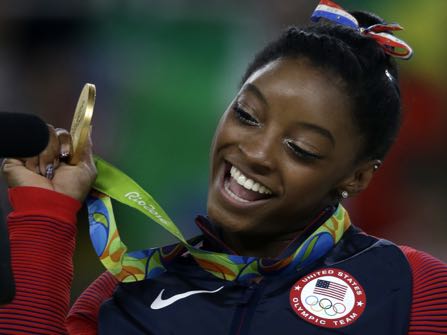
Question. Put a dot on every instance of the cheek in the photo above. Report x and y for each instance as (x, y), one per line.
(221, 140)
(226, 134)
(308, 183)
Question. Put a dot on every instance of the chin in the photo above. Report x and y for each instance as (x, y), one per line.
(228, 222)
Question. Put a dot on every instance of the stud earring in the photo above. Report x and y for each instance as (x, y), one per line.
(344, 194)
(377, 165)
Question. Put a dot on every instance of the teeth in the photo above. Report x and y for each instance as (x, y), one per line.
(241, 179)
(248, 183)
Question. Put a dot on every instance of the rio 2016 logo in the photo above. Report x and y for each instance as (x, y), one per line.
(138, 199)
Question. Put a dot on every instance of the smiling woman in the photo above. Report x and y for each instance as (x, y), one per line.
(294, 142)
(317, 111)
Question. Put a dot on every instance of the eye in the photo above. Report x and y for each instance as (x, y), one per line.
(300, 152)
(244, 116)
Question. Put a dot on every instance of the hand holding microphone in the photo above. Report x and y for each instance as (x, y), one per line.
(50, 169)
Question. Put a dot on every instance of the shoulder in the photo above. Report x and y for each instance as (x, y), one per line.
(427, 270)
(420, 260)
(429, 307)
(82, 318)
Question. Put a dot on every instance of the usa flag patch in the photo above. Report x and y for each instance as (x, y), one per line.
(329, 298)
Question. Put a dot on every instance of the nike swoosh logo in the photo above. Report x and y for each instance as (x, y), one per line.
(160, 303)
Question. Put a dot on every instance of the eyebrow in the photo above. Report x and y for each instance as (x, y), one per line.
(252, 88)
(322, 131)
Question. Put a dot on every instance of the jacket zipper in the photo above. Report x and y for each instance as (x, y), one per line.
(244, 313)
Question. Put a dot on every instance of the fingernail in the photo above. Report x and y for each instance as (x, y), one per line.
(49, 171)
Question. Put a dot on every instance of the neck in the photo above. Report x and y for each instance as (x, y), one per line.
(261, 246)
(268, 244)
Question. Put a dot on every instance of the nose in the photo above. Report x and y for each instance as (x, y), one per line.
(259, 153)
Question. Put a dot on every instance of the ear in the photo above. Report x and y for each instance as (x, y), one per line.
(360, 178)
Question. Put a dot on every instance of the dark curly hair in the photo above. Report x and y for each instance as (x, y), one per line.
(369, 74)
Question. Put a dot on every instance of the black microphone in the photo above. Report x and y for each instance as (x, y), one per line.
(22, 135)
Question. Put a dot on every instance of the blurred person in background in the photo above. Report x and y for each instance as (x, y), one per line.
(316, 114)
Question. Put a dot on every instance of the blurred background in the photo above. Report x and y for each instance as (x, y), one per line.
(166, 70)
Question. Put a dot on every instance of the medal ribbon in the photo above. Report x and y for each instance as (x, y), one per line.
(126, 266)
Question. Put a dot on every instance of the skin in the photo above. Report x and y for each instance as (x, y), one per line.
(72, 180)
(267, 136)
(280, 99)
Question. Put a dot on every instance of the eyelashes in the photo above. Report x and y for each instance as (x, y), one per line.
(300, 152)
(247, 119)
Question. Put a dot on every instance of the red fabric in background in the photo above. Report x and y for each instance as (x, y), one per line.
(423, 134)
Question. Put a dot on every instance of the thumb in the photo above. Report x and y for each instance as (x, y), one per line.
(87, 153)
(87, 162)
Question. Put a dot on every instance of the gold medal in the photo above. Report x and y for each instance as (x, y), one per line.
(82, 118)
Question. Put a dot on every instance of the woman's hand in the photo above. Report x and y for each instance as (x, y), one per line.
(49, 169)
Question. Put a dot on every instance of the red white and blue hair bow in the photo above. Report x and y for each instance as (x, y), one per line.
(380, 32)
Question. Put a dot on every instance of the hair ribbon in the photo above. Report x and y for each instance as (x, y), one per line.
(379, 32)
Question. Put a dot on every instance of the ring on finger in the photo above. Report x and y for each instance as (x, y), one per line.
(49, 171)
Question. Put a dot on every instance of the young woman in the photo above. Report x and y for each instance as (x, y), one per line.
(317, 111)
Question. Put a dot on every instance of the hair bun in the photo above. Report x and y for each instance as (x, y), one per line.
(366, 19)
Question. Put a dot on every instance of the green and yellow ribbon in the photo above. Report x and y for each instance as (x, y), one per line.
(126, 266)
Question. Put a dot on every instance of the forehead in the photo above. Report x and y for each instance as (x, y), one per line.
(297, 91)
